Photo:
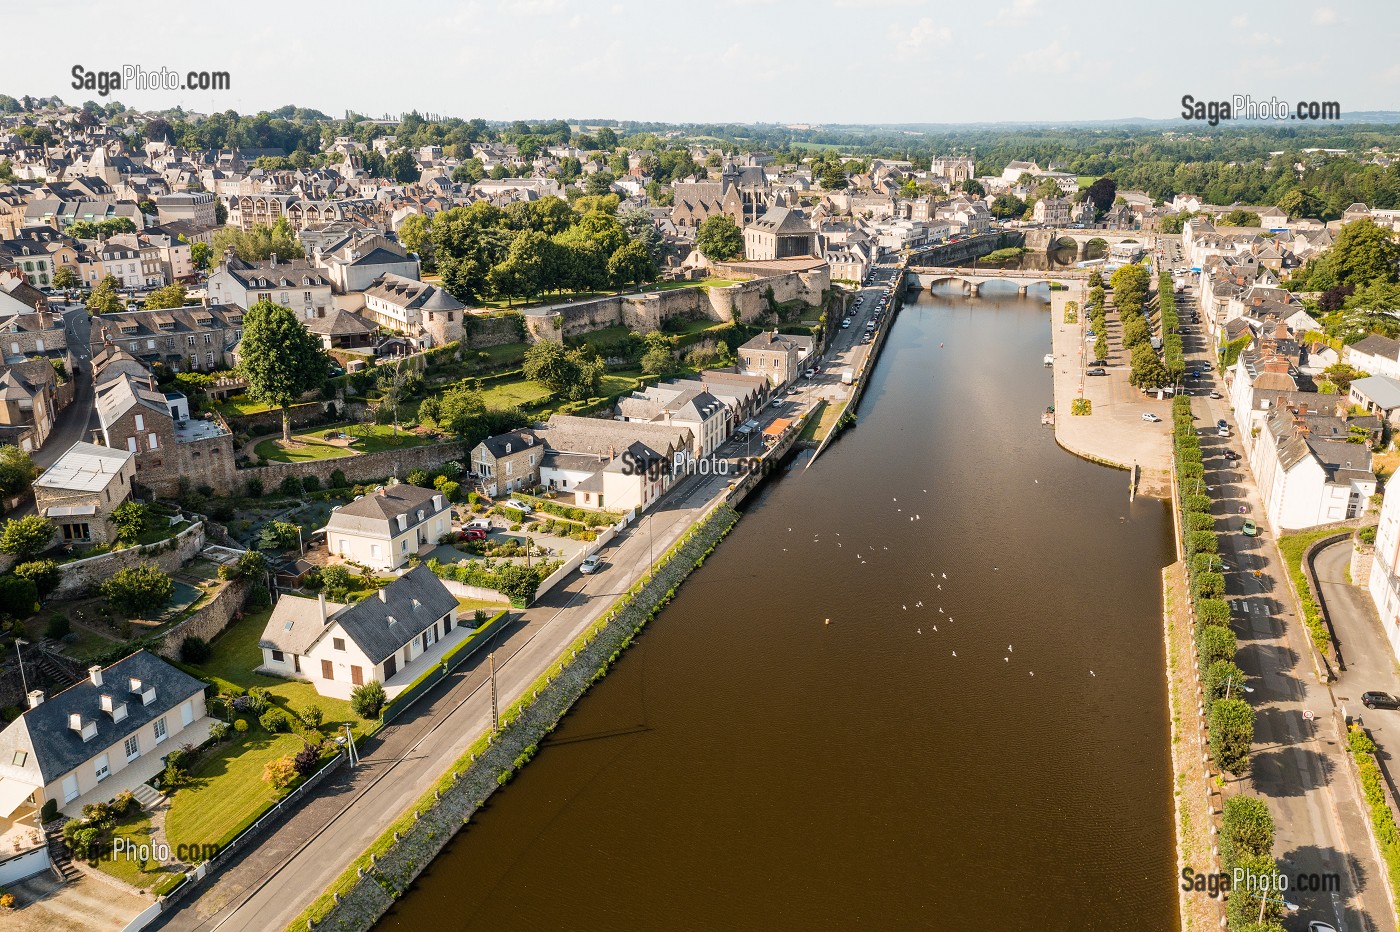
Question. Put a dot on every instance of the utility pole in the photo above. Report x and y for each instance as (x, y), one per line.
(495, 712)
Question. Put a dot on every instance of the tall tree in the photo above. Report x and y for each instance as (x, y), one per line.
(172, 295)
(1102, 192)
(104, 298)
(719, 239)
(280, 359)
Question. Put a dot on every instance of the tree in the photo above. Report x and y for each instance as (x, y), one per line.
(336, 581)
(566, 372)
(19, 597)
(631, 264)
(26, 537)
(1147, 369)
(1342, 375)
(1231, 733)
(1246, 829)
(16, 471)
(974, 187)
(104, 298)
(1238, 218)
(65, 277)
(1135, 331)
(1299, 203)
(415, 233)
(641, 228)
(368, 699)
(1007, 206)
(138, 590)
(199, 255)
(129, 519)
(658, 360)
(42, 573)
(719, 239)
(1102, 193)
(1222, 676)
(172, 295)
(280, 773)
(1243, 907)
(280, 359)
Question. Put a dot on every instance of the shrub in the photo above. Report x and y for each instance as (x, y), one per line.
(1200, 503)
(173, 776)
(311, 716)
(44, 575)
(1220, 678)
(240, 725)
(138, 589)
(1197, 521)
(275, 721)
(1367, 535)
(280, 773)
(194, 650)
(255, 488)
(338, 479)
(368, 699)
(1231, 733)
(123, 802)
(310, 483)
(7, 900)
(58, 628)
(1242, 908)
(1246, 829)
(1213, 612)
(50, 811)
(259, 699)
(18, 597)
(305, 760)
(1214, 643)
(1202, 542)
(291, 485)
(218, 731)
(419, 478)
(1208, 586)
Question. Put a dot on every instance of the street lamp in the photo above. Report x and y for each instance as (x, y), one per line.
(1231, 682)
(23, 680)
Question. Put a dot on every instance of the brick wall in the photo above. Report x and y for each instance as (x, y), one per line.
(356, 468)
(80, 576)
(209, 621)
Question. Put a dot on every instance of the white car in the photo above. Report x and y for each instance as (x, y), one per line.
(1151, 418)
(810, 372)
(590, 564)
(518, 505)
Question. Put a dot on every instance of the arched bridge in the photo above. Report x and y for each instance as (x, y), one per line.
(1048, 239)
(928, 276)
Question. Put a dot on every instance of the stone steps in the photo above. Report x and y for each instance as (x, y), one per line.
(148, 796)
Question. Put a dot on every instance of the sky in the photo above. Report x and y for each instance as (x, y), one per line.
(771, 61)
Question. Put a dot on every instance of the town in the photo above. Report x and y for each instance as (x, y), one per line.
(339, 457)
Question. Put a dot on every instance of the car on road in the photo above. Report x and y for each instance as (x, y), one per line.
(1317, 925)
(1231, 455)
(1379, 700)
(810, 372)
(1215, 395)
(846, 324)
(518, 505)
(1097, 371)
(1089, 334)
(590, 564)
(1151, 418)
(777, 402)
(1249, 528)
(1098, 362)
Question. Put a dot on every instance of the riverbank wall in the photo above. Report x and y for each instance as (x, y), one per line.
(368, 889)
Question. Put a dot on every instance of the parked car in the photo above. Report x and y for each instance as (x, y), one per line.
(1379, 700)
(473, 533)
(1097, 372)
(846, 324)
(1231, 455)
(1221, 425)
(777, 402)
(1151, 418)
(590, 564)
(810, 372)
(1249, 528)
(518, 505)
(1215, 395)
(1098, 362)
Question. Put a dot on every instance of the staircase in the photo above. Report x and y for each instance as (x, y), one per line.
(148, 796)
(59, 860)
(56, 669)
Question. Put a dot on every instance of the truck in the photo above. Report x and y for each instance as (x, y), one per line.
(847, 377)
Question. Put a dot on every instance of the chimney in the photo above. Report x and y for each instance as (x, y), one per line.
(321, 599)
(95, 673)
(36, 698)
(75, 722)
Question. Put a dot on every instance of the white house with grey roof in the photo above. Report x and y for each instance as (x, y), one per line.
(424, 312)
(384, 528)
(391, 636)
(1378, 395)
(1308, 470)
(107, 733)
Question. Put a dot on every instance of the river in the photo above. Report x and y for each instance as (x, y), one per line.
(991, 754)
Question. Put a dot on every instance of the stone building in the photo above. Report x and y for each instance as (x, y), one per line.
(773, 355)
(80, 491)
(780, 233)
(507, 462)
(423, 312)
(195, 338)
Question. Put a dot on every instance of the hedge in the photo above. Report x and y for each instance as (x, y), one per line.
(1213, 612)
(1202, 542)
(1215, 643)
(1208, 586)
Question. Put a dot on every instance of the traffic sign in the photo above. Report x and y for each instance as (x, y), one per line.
(1309, 714)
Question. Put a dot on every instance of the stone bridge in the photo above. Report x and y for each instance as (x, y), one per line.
(1047, 240)
(972, 280)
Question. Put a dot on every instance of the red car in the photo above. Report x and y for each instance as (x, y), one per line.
(473, 533)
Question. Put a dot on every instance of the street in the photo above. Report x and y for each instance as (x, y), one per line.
(76, 421)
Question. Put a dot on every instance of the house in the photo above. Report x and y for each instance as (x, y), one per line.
(298, 284)
(104, 734)
(340, 329)
(1051, 211)
(632, 462)
(780, 233)
(1375, 354)
(507, 462)
(358, 259)
(388, 637)
(196, 207)
(705, 415)
(29, 403)
(384, 528)
(1308, 468)
(1384, 581)
(776, 356)
(1379, 395)
(80, 491)
(187, 339)
(424, 312)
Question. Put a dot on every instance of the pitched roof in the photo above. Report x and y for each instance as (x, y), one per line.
(56, 748)
(84, 467)
(374, 512)
(296, 623)
(1382, 390)
(396, 614)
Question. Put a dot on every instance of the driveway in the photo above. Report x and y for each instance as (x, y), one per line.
(45, 905)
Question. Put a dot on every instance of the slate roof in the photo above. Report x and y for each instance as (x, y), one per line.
(517, 440)
(407, 293)
(296, 624)
(1377, 345)
(415, 600)
(55, 748)
(375, 512)
(570, 434)
(1382, 390)
(339, 323)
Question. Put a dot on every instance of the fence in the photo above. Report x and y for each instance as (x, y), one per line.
(450, 661)
(571, 564)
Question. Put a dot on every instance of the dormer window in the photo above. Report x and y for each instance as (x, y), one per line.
(393, 620)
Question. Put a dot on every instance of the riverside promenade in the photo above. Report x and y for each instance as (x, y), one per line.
(1114, 433)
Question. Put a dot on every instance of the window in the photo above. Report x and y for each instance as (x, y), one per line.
(209, 358)
(133, 749)
(160, 730)
(209, 339)
(102, 768)
(279, 657)
(140, 422)
(327, 670)
(20, 757)
(131, 444)
(153, 441)
(189, 340)
(374, 551)
(357, 676)
(338, 643)
(170, 343)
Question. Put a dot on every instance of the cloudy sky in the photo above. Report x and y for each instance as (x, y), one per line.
(812, 61)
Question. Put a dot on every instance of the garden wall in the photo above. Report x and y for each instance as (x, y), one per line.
(357, 468)
(491, 331)
(266, 422)
(209, 621)
(77, 577)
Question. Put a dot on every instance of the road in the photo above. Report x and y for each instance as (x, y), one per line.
(1299, 765)
(76, 421)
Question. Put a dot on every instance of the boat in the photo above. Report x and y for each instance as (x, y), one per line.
(1049, 359)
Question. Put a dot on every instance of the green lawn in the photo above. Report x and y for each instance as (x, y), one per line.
(273, 451)
(1292, 547)
(136, 828)
(467, 607)
(502, 356)
(520, 393)
(226, 792)
(371, 438)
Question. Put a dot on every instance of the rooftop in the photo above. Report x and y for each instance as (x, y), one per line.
(85, 467)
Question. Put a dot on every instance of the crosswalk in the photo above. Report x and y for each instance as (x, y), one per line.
(1246, 607)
